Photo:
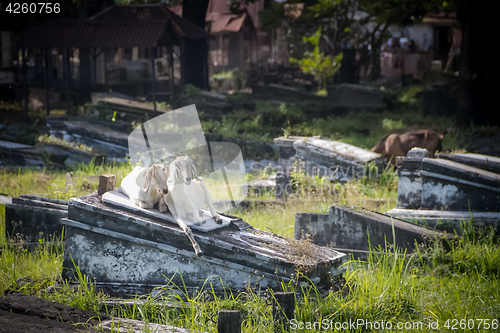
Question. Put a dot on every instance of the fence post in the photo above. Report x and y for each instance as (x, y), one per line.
(229, 321)
(283, 308)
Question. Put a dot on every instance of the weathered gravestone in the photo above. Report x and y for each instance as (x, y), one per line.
(21, 313)
(356, 230)
(484, 162)
(322, 157)
(443, 193)
(35, 218)
(441, 184)
(19, 155)
(132, 250)
(454, 186)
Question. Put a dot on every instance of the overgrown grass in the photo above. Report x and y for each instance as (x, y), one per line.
(313, 194)
(52, 184)
(28, 271)
(451, 280)
(360, 128)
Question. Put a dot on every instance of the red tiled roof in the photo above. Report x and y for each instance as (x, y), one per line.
(226, 22)
(219, 21)
(236, 24)
(176, 9)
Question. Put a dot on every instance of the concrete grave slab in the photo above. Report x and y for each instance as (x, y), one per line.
(449, 221)
(25, 313)
(335, 158)
(35, 217)
(351, 230)
(326, 157)
(5, 200)
(454, 186)
(485, 162)
(19, 155)
(13, 145)
(118, 199)
(127, 251)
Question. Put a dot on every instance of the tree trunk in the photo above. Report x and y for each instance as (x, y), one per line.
(375, 55)
(478, 66)
(196, 51)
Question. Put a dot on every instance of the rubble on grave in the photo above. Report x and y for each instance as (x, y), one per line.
(442, 193)
(132, 250)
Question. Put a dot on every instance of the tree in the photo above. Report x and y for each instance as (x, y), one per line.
(195, 52)
(478, 65)
(316, 63)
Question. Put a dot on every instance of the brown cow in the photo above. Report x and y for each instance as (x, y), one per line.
(395, 144)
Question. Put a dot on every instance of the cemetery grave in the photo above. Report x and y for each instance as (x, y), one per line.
(446, 191)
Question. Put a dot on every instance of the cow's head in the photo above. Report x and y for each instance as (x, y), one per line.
(185, 170)
(156, 176)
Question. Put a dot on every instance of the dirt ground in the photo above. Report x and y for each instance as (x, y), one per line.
(20, 313)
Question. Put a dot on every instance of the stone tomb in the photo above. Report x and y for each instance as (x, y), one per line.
(454, 186)
(35, 218)
(131, 251)
(442, 193)
(356, 230)
(485, 162)
(323, 157)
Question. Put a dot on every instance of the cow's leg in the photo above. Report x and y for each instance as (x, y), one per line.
(162, 207)
(209, 203)
(170, 203)
(143, 204)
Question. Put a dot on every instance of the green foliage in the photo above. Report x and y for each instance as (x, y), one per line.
(192, 91)
(272, 17)
(410, 94)
(52, 184)
(322, 92)
(49, 139)
(316, 63)
(391, 125)
(240, 78)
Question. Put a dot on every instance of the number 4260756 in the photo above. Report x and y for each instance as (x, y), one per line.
(455, 324)
(33, 8)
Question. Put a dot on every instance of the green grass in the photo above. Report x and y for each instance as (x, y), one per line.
(450, 280)
(361, 128)
(316, 195)
(52, 184)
